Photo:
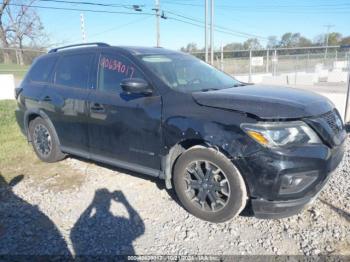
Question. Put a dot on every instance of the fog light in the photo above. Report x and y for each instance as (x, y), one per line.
(297, 182)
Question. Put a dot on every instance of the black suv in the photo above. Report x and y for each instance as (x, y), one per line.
(222, 144)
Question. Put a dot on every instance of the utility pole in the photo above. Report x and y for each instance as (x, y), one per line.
(327, 38)
(82, 27)
(222, 57)
(346, 120)
(250, 66)
(267, 60)
(212, 32)
(157, 9)
(206, 30)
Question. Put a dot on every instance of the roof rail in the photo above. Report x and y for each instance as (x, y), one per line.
(84, 44)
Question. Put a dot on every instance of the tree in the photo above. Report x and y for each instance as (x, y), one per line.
(19, 26)
(191, 47)
(345, 41)
(294, 40)
(290, 40)
(272, 42)
(3, 31)
(25, 27)
(233, 46)
(334, 38)
(252, 43)
(304, 42)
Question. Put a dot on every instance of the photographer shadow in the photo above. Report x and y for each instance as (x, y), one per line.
(99, 232)
(24, 229)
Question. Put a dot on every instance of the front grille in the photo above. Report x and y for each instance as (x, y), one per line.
(329, 127)
(333, 121)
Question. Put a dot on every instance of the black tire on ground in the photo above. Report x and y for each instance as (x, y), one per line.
(236, 194)
(52, 152)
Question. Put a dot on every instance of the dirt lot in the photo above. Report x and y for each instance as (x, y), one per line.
(79, 207)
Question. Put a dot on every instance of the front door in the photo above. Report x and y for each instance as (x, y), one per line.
(124, 128)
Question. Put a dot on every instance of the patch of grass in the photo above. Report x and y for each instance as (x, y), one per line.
(15, 150)
(12, 141)
(18, 71)
(18, 158)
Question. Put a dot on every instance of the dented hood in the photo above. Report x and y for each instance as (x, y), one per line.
(266, 102)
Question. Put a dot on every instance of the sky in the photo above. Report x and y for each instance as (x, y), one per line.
(235, 21)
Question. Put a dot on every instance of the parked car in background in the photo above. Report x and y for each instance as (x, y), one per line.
(220, 143)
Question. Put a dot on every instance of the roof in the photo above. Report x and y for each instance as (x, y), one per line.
(139, 50)
(134, 50)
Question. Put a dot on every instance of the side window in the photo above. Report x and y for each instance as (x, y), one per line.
(73, 70)
(41, 69)
(113, 69)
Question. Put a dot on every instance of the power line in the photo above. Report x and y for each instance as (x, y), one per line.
(315, 9)
(117, 5)
(263, 6)
(115, 28)
(92, 3)
(217, 29)
(81, 10)
(243, 34)
(202, 26)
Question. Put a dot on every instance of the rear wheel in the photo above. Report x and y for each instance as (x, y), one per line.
(208, 184)
(44, 140)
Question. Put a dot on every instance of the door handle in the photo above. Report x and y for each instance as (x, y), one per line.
(47, 99)
(96, 107)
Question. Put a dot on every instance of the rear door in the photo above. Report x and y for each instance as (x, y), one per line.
(124, 128)
(66, 97)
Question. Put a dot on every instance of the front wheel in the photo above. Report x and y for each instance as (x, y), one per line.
(208, 184)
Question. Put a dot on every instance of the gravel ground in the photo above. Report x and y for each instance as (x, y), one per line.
(101, 210)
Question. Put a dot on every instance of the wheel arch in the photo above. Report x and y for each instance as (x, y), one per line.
(178, 149)
(30, 115)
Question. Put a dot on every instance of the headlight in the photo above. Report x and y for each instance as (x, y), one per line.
(281, 134)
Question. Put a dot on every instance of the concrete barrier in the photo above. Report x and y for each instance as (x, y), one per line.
(274, 80)
(301, 78)
(337, 76)
(7, 86)
(256, 78)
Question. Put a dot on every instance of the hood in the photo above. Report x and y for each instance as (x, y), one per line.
(266, 102)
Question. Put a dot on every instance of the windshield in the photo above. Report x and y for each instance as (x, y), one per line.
(185, 73)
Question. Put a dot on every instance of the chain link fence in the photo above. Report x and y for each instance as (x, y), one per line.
(283, 61)
(17, 61)
(325, 70)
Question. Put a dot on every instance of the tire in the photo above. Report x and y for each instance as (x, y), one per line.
(45, 141)
(223, 188)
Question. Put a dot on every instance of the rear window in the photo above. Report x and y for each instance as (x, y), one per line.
(41, 69)
(73, 70)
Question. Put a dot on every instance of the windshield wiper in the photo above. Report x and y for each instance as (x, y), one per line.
(209, 89)
(240, 84)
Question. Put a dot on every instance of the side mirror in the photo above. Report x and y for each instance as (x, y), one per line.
(136, 86)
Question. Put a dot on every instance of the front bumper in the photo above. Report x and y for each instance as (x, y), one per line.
(265, 169)
(281, 209)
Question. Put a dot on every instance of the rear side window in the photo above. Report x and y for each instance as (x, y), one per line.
(41, 69)
(114, 68)
(73, 70)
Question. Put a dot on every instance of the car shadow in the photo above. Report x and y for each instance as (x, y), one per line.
(339, 211)
(99, 231)
(158, 182)
(24, 229)
(246, 212)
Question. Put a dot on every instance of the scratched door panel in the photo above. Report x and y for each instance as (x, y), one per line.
(123, 126)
